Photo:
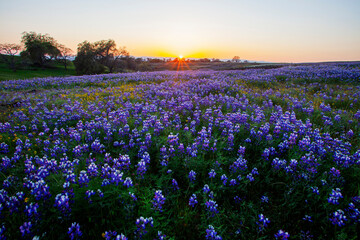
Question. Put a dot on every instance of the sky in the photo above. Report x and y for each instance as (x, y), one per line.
(260, 30)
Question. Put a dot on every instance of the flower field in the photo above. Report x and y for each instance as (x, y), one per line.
(253, 154)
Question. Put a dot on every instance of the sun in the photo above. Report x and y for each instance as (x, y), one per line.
(181, 56)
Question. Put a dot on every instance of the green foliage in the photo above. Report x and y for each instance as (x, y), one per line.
(39, 48)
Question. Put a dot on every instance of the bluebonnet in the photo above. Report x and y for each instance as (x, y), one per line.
(262, 222)
(25, 229)
(338, 218)
(206, 188)
(282, 235)
(335, 195)
(224, 179)
(211, 206)
(141, 226)
(175, 184)
(128, 182)
(212, 173)
(193, 200)
(192, 176)
(211, 234)
(74, 231)
(158, 201)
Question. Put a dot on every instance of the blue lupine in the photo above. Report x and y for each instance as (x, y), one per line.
(25, 229)
(282, 235)
(192, 176)
(212, 173)
(141, 226)
(211, 206)
(338, 218)
(193, 200)
(206, 188)
(74, 231)
(224, 179)
(211, 234)
(335, 195)
(262, 222)
(128, 182)
(158, 201)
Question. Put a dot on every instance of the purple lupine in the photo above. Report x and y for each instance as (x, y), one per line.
(211, 234)
(212, 173)
(193, 200)
(206, 188)
(31, 210)
(158, 201)
(224, 179)
(175, 184)
(141, 226)
(74, 231)
(25, 229)
(335, 195)
(262, 222)
(83, 178)
(62, 203)
(211, 206)
(338, 218)
(192, 176)
(128, 182)
(133, 197)
(282, 235)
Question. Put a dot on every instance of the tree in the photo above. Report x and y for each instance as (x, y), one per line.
(236, 59)
(99, 55)
(39, 48)
(65, 54)
(85, 61)
(8, 52)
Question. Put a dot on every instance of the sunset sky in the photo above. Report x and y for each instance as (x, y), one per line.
(268, 30)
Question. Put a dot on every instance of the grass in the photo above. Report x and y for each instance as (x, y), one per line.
(56, 70)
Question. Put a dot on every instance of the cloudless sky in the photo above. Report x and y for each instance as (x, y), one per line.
(269, 30)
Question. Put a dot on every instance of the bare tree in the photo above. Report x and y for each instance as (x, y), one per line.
(8, 52)
(236, 59)
(65, 54)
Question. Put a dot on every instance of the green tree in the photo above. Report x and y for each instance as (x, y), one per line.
(85, 61)
(93, 58)
(39, 48)
(8, 52)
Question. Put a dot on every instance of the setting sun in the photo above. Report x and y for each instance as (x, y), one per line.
(180, 57)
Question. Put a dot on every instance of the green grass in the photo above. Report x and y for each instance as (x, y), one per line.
(55, 70)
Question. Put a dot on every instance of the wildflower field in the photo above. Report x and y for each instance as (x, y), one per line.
(253, 154)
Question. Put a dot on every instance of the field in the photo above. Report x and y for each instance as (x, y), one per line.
(27, 72)
(251, 154)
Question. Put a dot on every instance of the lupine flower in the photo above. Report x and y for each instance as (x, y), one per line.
(262, 222)
(128, 182)
(193, 200)
(175, 184)
(211, 234)
(282, 235)
(338, 218)
(158, 200)
(141, 224)
(25, 229)
(206, 188)
(224, 179)
(74, 231)
(212, 173)
(211, 206)
(192, 176)
(335, 195)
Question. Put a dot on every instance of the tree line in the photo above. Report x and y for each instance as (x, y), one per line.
(40, 50)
